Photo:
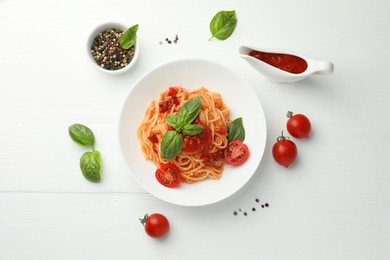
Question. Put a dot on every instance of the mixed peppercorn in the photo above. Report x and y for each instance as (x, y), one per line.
(107, 51)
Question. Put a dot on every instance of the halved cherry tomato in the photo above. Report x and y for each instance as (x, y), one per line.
(168, 175)
(236, 153)
(197, 143)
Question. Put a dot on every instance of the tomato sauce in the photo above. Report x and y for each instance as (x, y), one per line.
(167, 104)
(153, 138)
(286, 62)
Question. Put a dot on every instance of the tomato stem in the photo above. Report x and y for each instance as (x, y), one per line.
(143, 220)
(282, 138)
(289, 114)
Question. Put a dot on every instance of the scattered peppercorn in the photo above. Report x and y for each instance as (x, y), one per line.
(176, 38)
(170, 41)
(107, 51)
(254, 209)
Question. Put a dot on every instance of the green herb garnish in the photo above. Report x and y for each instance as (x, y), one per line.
(172, 141)
(82, 135)
(128, 38)
(171, 145)
(90, 162)
(223, 24)
(236, 130)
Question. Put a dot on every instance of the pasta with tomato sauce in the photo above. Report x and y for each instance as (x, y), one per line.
(202, 155)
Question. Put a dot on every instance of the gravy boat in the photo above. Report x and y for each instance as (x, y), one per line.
(279, 75)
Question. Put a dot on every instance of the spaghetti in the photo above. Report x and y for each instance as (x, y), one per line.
(214, 116)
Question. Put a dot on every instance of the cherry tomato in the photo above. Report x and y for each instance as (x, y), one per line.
(197, 143)
(156, 225)
(284, 151)
(298, 125)
(168, 175)
(236, 153)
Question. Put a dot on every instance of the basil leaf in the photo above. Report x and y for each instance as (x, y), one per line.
(171, 145)
(223, 24)
(128, 38)
(192, 129)
(174, 121)
(190, 110)
(236, 130)
(82, 135)
(90, 165)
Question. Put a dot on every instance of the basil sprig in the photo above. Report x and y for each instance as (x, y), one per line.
(128, 38)
(223, 24)
(90, 162)
(236, 130)
(172, 141)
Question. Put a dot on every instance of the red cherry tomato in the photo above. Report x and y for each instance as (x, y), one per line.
(284, 151)
(197, 143)
(156, 225)
(236, 153)
(298, 125)
(168, 175)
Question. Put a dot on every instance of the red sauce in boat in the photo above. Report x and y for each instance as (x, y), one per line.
(286, 62)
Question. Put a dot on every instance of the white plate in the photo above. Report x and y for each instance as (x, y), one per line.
(192, 74)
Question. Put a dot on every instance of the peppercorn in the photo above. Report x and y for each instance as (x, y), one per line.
(107, 51)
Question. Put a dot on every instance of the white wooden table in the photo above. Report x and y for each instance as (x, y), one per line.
(334, 203)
